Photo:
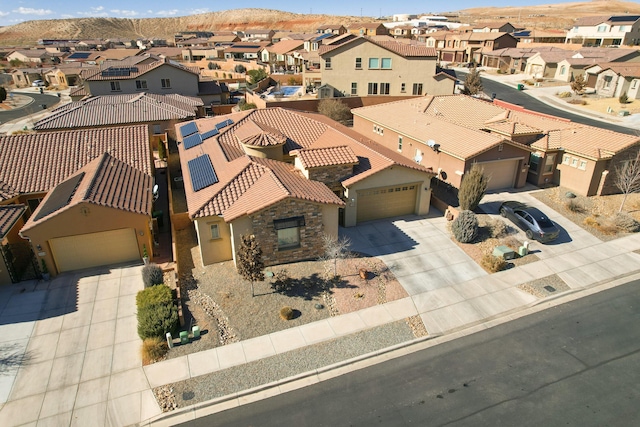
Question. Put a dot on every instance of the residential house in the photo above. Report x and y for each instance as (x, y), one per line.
(450, 133)
(402, 31)
(192, 54)
(289, 178)
(616, 30)
(12, 265)
(336, 29)
(258, 35)
(544, 64)
(540, 36)
(193, 43)
(245, 50)
(174, 53)
(494, 27)
(65, 75)
(280, 56)
(368, 29)
(34, 57)
(569, 68)
(515, 58)
(363, 66)
(223, 40)
(29, 174)
(456, 46)
(613, 79)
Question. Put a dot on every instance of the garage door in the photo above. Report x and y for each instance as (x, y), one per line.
(502, 174)
(95, 249)
(385, 202)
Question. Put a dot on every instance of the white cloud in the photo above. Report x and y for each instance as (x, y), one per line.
(98, 9)
(32, 11)
(172, 12)
(3, 13)
(121, 12)
(199, 11)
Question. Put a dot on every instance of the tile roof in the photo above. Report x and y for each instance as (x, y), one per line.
(285, 46)
(247, 184)
(9, 215)
(591, 142)
(139, 69)
(37, 162)
(259, 135)
(625, 69)
(7, 192)
(587, 21)
(400, 48)
(105, 181)
(79, 91)
(326, 156)
(111, 110)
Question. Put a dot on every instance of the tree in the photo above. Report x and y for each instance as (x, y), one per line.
(244, 105)
(624, 98)
(472, 189)
(628, 178)
(472, 84)
(249, 260)
(3, 94)
(334, 249)
(335, 110)
(16, 63)
(256, 75)
(240, 68)
(578, 84)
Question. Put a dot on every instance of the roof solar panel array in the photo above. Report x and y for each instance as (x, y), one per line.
(224, 124)
(192, 140)
(60, 196)
(201, 172)
(210, 133)
(188, 129)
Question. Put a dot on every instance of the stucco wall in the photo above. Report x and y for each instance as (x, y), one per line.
(182, 82)
(99, 218)
(213, 250)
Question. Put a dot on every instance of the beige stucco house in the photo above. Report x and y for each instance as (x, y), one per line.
(12, 265)
(289, 178)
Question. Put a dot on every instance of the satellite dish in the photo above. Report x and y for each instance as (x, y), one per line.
(418, 158)
(431, 143)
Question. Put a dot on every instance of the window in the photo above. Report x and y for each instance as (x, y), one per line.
(516, 62)
(166, 83)
(33, 204)
(417, 88)
(358, 63)
(373, 89)
(607, 81)
(403, 87)
(354, 88)
(289, 232)
(583, 165)
(384, 88)
(623, 28)
(386, 63)
(602, 28)
(215, 231)
(549, 163)
(634, 84)
(563, 70)
(534, 161)
(399, 143)
(574, 162)
(500, 147)
(374, 63)
(115, 86)
(141, 84)
(157, 129)
(327, 63)
(566, 159)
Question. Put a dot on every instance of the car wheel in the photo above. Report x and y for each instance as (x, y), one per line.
(529, 234)
(503, 212)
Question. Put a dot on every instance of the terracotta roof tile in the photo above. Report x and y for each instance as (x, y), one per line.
(9, 215)
(259, 134)
(327, 156)
(111, 110)
(285, 46)
(139, 70)
(7, 192)
(594, 143)
(37, 162)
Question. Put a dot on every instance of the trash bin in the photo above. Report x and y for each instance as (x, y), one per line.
(41, 91)
(520, 86)
(159, 216)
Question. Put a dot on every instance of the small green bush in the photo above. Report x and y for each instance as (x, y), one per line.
(286, 313)
(152, 275)
(492, 263)
(465, 227)
(156, 320)
(626, 222)
(153, 349)
(158, 294)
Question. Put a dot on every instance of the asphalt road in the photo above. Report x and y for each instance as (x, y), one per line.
(34, 107)
(575, 364)
(512, 95)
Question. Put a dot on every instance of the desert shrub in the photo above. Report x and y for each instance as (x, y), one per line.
(626, 222)
(575, 207)
(529, 82)
(286, 313)
(623, 99)
(590, 222)
(472, 189)
(608, 228)
(282, 281)
(497, 228)
(493, 263)
(152, 275)
(564, 95)
(158, 294)
(156, 320)
(577, 102)
(153, 349)
(465, 227)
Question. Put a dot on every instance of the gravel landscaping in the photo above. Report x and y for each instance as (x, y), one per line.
(545, 287)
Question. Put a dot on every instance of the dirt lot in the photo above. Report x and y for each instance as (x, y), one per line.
(602, 105)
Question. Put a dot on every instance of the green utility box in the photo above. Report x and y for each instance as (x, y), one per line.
(196, 331)
(184, 337)
(504, 252)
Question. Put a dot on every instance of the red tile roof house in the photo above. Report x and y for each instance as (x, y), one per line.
(39, 171)
(10, 223)
(289, 178)
(450, 133)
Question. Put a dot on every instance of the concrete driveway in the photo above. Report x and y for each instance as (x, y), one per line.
(74, 351)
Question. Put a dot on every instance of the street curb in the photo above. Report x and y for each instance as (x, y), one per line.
(356, 363)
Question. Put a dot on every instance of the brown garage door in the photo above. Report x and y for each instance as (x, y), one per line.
(502, 174)
(386, 202)
(95, 249)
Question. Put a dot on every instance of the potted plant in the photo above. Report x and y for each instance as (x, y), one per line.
(145, 255)
(45, 270)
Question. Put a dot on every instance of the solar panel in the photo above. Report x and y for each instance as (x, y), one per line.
(188, 129)
(119, 71)
(192, 140)
(60, 196)
(201, 172)
(210, 133)
(79, 55)
(224, 124)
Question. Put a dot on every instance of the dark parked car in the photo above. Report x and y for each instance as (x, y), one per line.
(535, 224)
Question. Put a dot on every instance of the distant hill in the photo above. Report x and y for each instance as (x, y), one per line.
(542, 16)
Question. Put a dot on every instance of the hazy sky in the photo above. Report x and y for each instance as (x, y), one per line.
(13, 12)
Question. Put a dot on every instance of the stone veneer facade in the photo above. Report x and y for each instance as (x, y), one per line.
(311, 245)
(331, 176)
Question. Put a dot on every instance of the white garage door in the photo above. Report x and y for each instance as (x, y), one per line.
(502, 174)
(386, 202)
(95, 249)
